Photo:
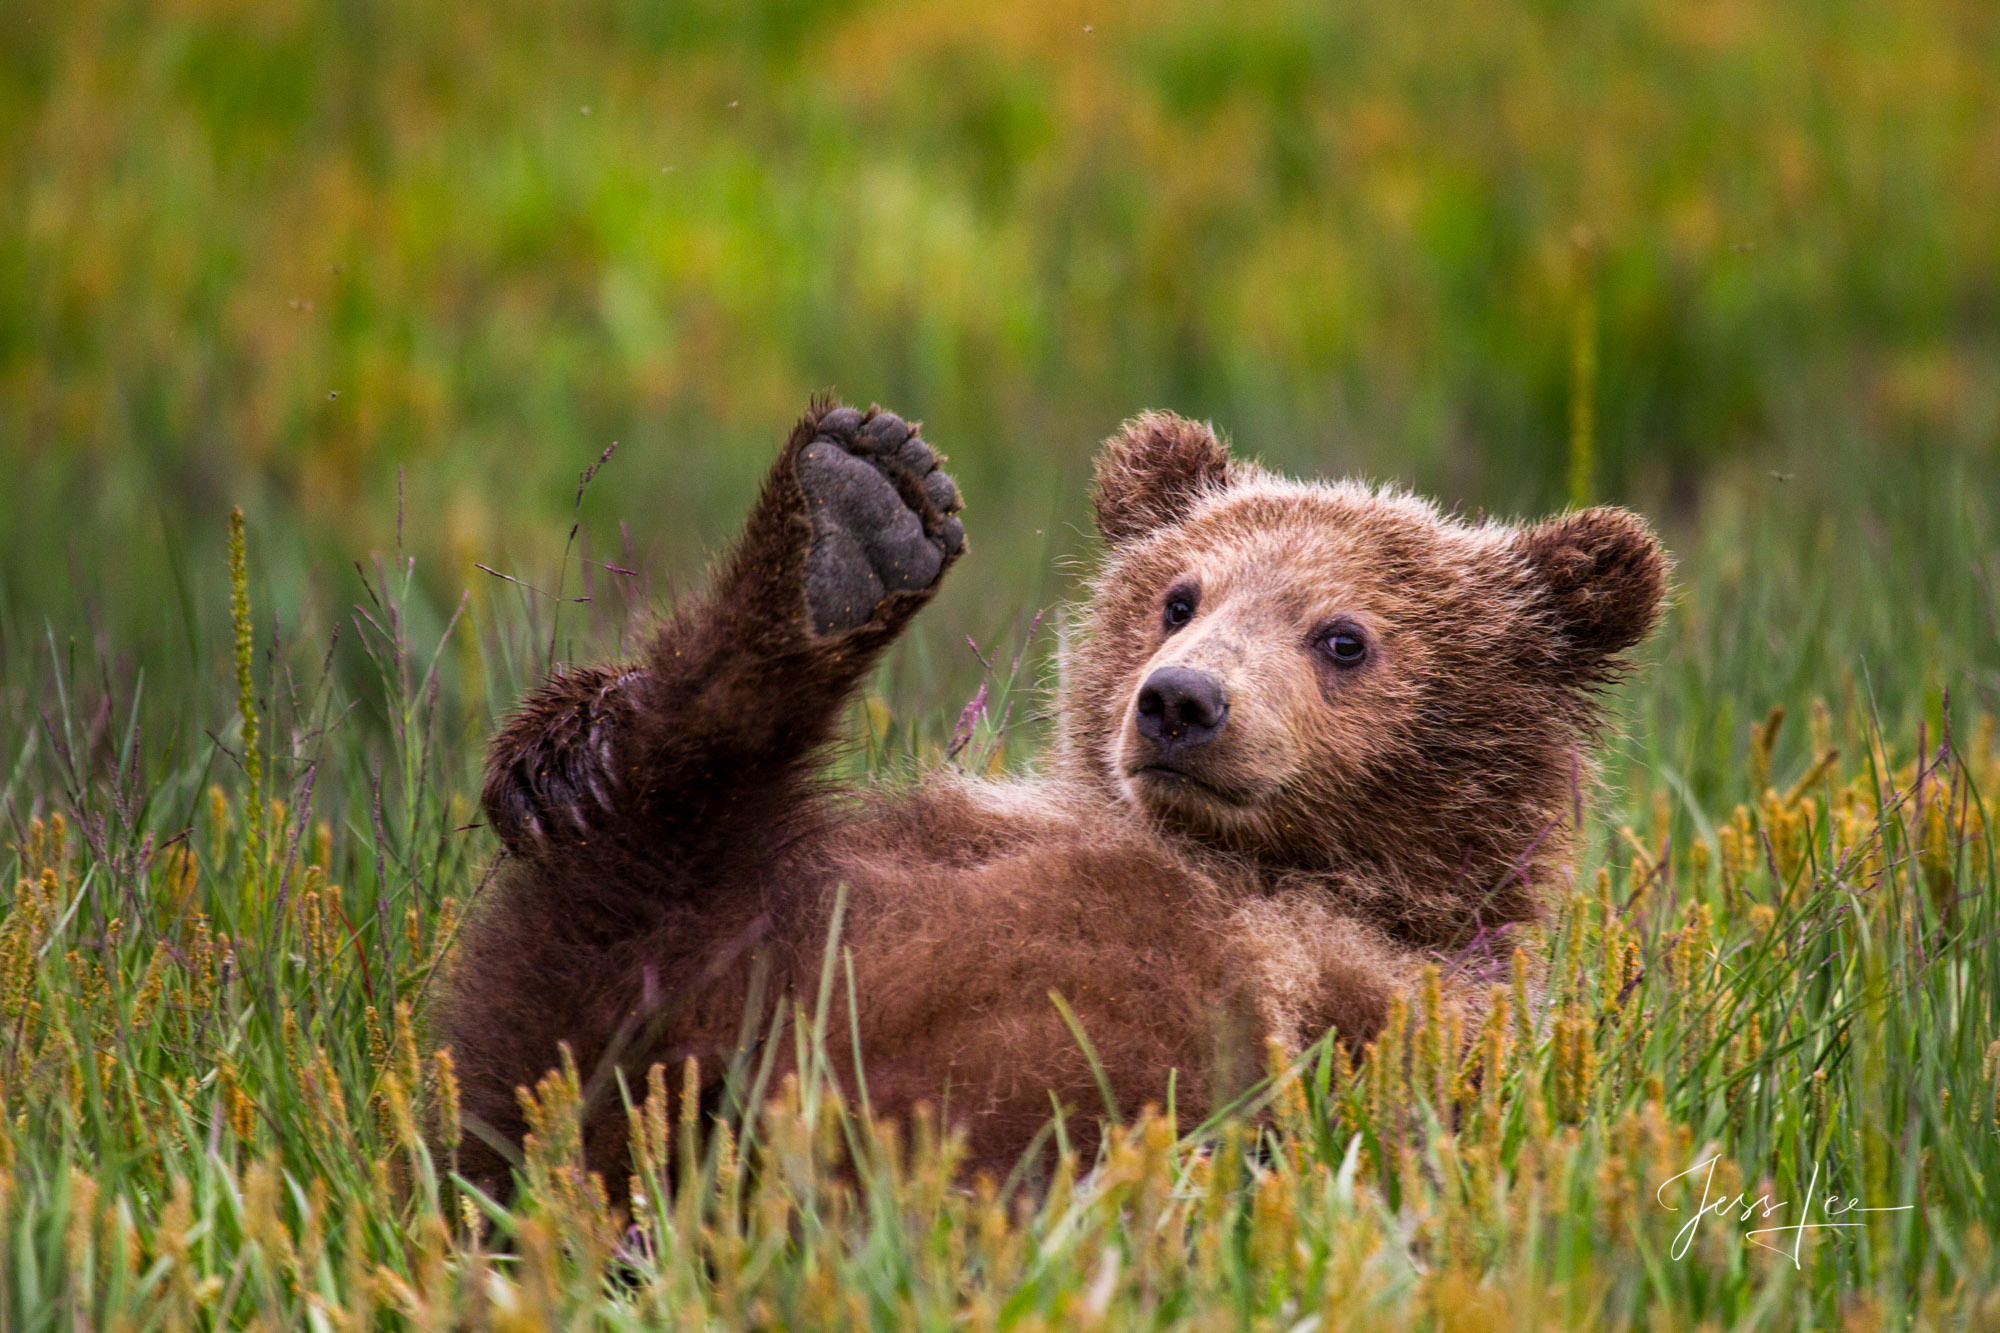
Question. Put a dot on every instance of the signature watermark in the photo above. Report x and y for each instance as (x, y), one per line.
(1832, 1208)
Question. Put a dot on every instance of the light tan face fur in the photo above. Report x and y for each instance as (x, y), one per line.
(1274, 570)
(1430, 780)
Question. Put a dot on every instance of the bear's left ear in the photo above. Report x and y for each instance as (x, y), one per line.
(1152, 472)
(1603, 578)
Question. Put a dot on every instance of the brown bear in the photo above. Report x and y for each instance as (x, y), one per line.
(1311, 736)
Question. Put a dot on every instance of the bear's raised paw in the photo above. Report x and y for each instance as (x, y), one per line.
(884, 516)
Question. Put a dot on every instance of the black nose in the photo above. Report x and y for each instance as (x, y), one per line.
(1179, 707)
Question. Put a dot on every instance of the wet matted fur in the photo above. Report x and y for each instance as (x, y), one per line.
(1310, 737)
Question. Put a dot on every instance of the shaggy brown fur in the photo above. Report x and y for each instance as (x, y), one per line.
(1311, 736)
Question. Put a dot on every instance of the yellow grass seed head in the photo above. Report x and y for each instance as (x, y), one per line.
(402, 1115)
(407, 1066)
(240, 1110)
(1273, 1228)
(1763, 739)
(448, 1114)
(261, 1222)
(1524, 1018)
(378, 1044)
(56, 852)
(82, 1209)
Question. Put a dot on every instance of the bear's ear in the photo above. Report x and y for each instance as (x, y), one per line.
(1602, 576)
(1151, 473)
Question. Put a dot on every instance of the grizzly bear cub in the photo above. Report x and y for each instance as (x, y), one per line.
(1311, 736)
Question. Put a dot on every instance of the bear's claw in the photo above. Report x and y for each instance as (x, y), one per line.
(553, 777)
(884, 516)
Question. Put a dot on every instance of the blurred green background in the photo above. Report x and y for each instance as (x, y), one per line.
(357, 264)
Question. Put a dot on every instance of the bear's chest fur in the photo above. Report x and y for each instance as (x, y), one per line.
(1023, 941)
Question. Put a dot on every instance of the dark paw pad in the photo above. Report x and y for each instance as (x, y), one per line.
(884, 518)
(552, 776)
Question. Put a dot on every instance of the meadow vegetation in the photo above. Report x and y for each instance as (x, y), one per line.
(390, 277)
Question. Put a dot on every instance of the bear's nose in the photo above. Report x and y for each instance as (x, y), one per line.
(1179, 707)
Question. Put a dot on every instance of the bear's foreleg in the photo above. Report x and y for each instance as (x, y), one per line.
(670, 773)
(653, 811)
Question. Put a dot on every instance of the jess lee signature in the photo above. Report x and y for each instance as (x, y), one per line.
(1832, 1207)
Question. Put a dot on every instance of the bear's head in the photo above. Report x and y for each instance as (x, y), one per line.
(1338, 680)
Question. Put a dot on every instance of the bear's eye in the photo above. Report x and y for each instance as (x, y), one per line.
(1179, 608)
(1345, 644)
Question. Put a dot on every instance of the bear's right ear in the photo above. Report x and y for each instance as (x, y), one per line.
(1152, 472)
